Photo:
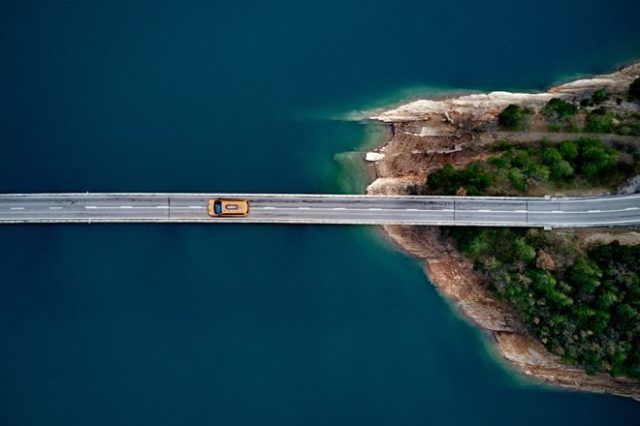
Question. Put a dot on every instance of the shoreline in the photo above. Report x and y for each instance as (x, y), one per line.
(427, 133)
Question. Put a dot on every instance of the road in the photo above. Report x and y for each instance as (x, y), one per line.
(323, 209)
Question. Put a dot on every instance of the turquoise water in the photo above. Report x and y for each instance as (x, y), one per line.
(243, 325)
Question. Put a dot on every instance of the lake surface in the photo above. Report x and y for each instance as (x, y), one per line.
(245, 325)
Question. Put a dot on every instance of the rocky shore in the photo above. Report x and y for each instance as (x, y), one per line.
(425, 134)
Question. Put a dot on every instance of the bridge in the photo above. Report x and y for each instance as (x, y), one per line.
(323, 209)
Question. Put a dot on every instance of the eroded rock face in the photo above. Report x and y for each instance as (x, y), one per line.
(426, 134)
(486, 106)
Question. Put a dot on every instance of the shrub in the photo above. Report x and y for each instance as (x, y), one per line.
(511, 117)
(599, 96)
(558, 109)
(634, 89)
(599, 121)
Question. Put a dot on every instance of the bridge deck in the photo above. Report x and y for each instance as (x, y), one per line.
(323, 209)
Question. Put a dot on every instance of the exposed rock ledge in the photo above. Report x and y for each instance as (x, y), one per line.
(424, 132)
(485, 106)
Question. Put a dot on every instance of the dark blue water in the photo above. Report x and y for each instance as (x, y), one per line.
(251, 324)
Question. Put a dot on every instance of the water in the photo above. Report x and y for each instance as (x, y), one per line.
(252, 324)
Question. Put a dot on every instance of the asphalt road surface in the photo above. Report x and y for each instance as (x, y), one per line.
(323, 209)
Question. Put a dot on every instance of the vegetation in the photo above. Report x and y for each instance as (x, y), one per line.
(558, 114)
(558, 109)
(520, 169)
(600, 96)
(561, 115)
(473, 179)
(629, 125)
(599, 121)
(634, 89)
(511, 117)
(582, 306)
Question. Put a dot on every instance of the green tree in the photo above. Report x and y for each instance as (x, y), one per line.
(559, 298)
(596, 157)
(511, 117)
(569, 150)
(586, 275)
(517, 179)
(537, 172)
(443, 180)
(524, 251)
(542, 281)
(562, 170)
(551, 156)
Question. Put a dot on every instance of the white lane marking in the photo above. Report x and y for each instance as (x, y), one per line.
(17, 208)
(126, 207)
(355, 209)
(162, 207)
(196, 207)
(55, 208)
(90, 207)
(580, 211)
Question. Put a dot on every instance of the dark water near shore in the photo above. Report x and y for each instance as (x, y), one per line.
(252, 324)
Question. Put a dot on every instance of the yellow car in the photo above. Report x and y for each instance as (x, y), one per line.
(225, 207)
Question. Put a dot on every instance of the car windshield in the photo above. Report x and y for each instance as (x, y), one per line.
(217, 207)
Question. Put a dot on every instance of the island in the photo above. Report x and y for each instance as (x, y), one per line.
(562, 305)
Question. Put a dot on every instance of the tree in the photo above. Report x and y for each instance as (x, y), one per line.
(551, 156)
(542, 281)
(586, 275)
(634, 89)
(443, 179)
(474, 179)
(559, 298)
(569, 150)
(537, 172)
(524, 251)
(511, 117)
(596, 157)
(561, 170)
(517, 179)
